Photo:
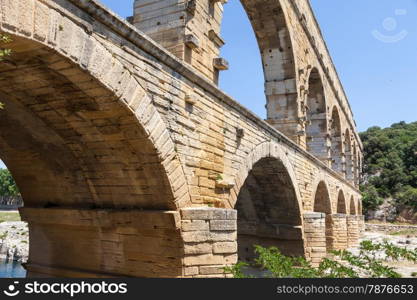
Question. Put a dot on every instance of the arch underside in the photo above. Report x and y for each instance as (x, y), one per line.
(336, 142)
(70, 142)
(316, 128)
(271, 30)
(341, 203)
(268, 211)
(349, 156)
(352, 205)
(322, 204)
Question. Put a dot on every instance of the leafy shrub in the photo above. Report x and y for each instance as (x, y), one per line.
(408, 196)
(8, 186)
(390, 164)
(370, 197)
(344, 264)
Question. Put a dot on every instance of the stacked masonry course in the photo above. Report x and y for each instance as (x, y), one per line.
(132, 162)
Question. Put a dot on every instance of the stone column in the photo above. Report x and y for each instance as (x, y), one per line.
(315, 236)
(337, 237)
(210, 241)
(353, 230)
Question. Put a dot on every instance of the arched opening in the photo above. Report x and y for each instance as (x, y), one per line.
(272, 32)
(341, 203)
(355, 165)
(360, 169)
(69, 144)
(10, 197)
(14, 234)
(322, 204)
(79, 153)
(322, 199)
(352, 210)
(349, 156)
(196, 39)
(337, 160)
(268, 211)
(316, 129)
(250, 91)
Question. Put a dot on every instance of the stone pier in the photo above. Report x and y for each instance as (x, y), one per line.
(338, 237)
(353, 230)
(210, 241)
(315, 236)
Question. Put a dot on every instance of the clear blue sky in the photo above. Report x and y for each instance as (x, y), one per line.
(379, 77)
(373, 44)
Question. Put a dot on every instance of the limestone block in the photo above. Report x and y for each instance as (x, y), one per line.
(196, 236)
(211, 270)
(223, 225)
(195, 225)
(225, 247)
(197, 248)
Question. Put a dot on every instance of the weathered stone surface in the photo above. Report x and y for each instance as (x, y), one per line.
(198, 248)
(223, 225)
(225, 247)
(195, 225)
(101, 125)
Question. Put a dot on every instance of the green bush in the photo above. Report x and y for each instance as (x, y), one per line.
(390, 163)
(408, 196)
(344, 264)
(8, 186)
(370, 197)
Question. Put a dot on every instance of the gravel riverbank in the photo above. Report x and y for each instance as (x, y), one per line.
(14, 241)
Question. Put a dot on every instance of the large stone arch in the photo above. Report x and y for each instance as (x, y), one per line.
(78, 112)
(337, 159)
(93, 158)
(263, 150)
(268, 204)
(270, 23)
(316, 118)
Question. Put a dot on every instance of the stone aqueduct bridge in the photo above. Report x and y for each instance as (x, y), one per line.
(132, 162)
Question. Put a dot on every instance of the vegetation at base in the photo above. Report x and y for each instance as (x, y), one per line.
(9, 216)
(345, 264)
(8, 187)
(405, 232)
(390, 165)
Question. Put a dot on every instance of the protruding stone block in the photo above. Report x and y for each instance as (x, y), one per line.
(220, 64)
(213, 36)
(191, 41)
